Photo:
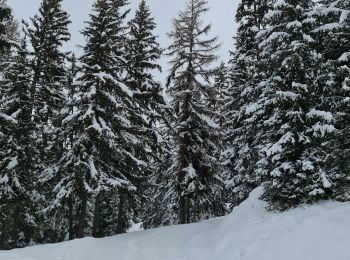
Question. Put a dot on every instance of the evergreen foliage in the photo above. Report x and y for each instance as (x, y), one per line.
(197, 185)
(17, 168)
(299, 126)
(331, 34)
(99, 157)
(5, 15)
(47, 33)
(144, 53)
(243, 109)
(91, 145)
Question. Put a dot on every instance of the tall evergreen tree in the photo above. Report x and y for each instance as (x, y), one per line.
(332, 38)
(18, 178)
(197, 186)
(144, 53)
(49, 31)
(102, 167)
(296, 125)
(242, 110)
(47, 34)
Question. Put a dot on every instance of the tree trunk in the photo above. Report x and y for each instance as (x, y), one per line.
(97, 217)
(15, 226)
(182, 209)
(180, 178)
(70, 219)
(121, 225)
(82, 216)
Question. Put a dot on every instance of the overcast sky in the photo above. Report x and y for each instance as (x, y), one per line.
(221, 16)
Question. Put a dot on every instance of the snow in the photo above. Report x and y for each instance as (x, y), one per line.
(344, 57)
(297, 85)
(251, 108)
(327, 27)
(207, 120)
(137, 161)
(326, 183)
(344, 16)
(308, 38)
(4, 179)
(191, 172)
(282, 4)
(322, 129)
(95, 125)
(8, 118)
(12, 164)
(294, 24)
(274, 37)
(287, 95)
(105, 77)
(318, 232)
(327, 116)
(92, 167)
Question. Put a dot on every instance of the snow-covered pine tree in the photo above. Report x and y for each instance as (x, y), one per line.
(9, 30)
(143, 55)
(296, 125)
(332, 42)
(119, 12)
(102, 168)
(117, 221)
(5, 15)
(161, 199)
(65, 215)
(11, 26)
(18, 177)
(47, 34)
(194, 170)
(218, 102)
(220, 93)
(241, 111)
(63, 218)
(126, 202)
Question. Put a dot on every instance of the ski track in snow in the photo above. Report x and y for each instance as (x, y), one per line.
(318, 232)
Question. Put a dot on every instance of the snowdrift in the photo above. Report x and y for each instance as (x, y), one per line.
(318, 232)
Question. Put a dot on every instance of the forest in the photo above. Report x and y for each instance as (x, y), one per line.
(92, 144)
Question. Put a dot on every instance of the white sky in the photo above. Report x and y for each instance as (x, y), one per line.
(221, 16)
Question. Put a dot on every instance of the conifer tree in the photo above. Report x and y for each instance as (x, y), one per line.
(194, 169)
(332, 38)
(18, 178)
(220, 93)
(5, 15)
(102, 168)
(297, 126)
(8, 30)
(144, 53)
(242, 108)
(47, 33)
(11, 26)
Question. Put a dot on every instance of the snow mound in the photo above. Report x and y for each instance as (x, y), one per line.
(318, 232)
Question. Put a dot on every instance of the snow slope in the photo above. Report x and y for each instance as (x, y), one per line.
(319, 232)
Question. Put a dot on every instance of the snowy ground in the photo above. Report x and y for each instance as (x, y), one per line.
(319, 232)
